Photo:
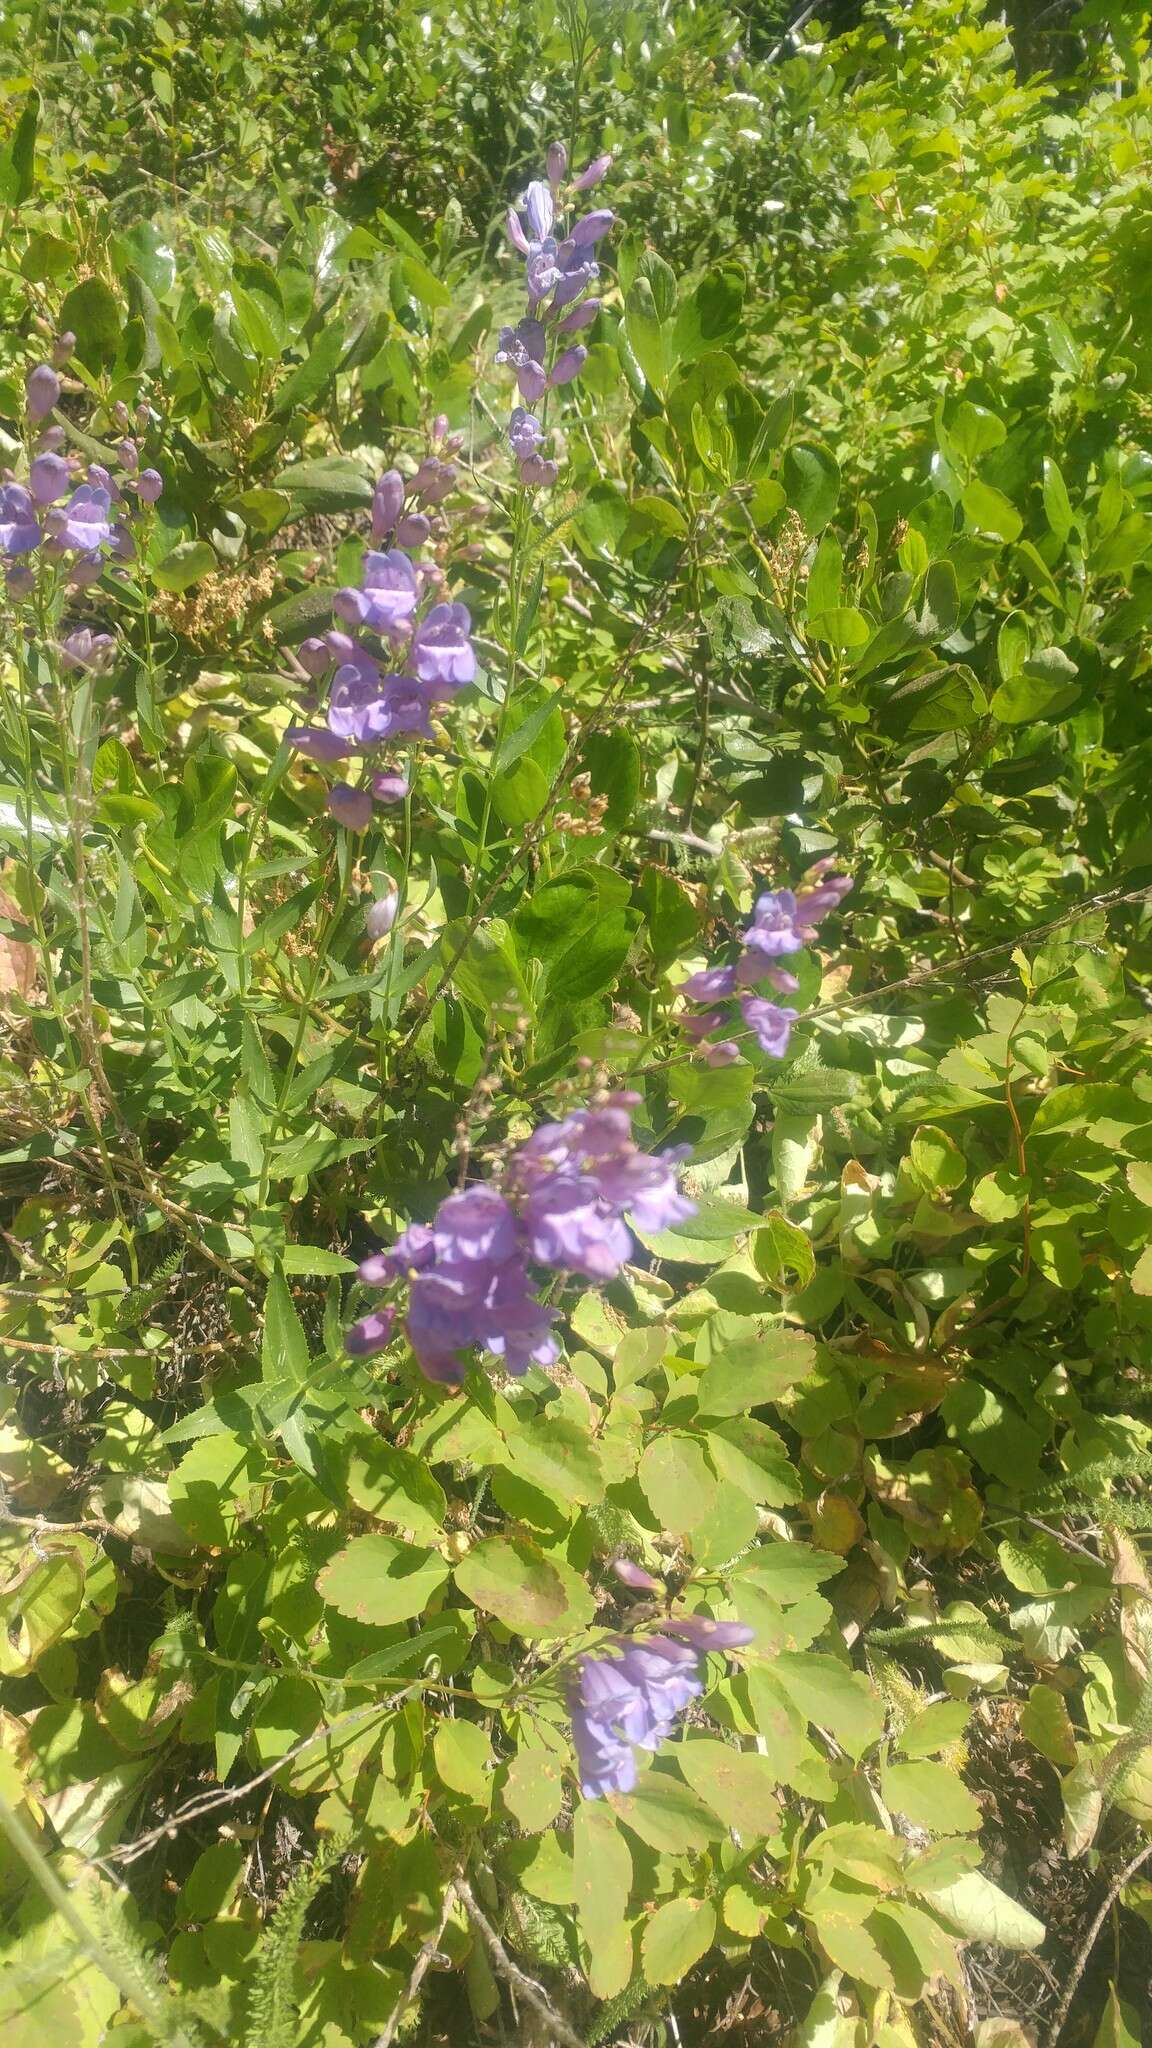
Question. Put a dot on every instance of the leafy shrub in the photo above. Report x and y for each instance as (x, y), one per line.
(706, 1586)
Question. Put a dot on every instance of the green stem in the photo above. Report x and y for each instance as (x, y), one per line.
(516, 591)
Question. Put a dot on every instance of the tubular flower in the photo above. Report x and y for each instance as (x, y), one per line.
(558, 267)
(560, 1204)
(783, 923)
(627, 1698)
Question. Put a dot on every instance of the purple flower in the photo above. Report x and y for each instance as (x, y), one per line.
(50, 440)
(773, 930)
(317, 743)
(371, 1334)
(62, 348)
(19, 580)
(525, 433)
(722, 1054)
(413, 530)
(591, 228)
(382, 915)
(699, 1027)
(539, 210)
(475, 1224)
(86, 570)
(648, 1189)
(568, 365)
(771, 1022)
(557, 164)
(84, 523)
(634, 1575)
(129, 455)
(442, 651)
(705, 1634)
(93, 653)
(19, 528)
(314, 657)
(571, 1228)
(387, 503)
(388, 598)
(597, 169)
(149, 486)
(48, 478)
(709, 984)
(362, 707)
(390, 789)
(537, 471)
(516, 235)
(625, 1700)
(350, 807)
(581, 316)
(42, 392)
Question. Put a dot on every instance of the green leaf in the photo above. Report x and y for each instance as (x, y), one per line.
(284, 1352)
(1057, 505)
(560, 1458)
(668, 1815)
(312, 377)
(17, 165)
(931, 1796)
(1119, 2024)
(463, 1757)
(978, 1910)
(188, 561)
(755, 1369)
(509, 1577)
(533, 1790)
(379, 1580)
(396, 1486)
(843, 628)
(678, 1482)
(811, 477)
(593, 962)
(831, 1695)
(602, 1881)
(989, 511)
(937, 1159)
(738, 1784)
(92, 312)
(1045, 1721)
(783, 1253)
(935, 1728)
(677, 1935)
(333, 484)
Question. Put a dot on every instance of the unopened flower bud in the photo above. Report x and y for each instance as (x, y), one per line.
(150, 485)
(129, 455)
(413, 530)
(439, 427)
(42, 391)
(387, 503)
(350, 807)
(62, 348)
(597, 169)
(50, 439)
(557, 164)
(143, 416)
(390, 789)
(382, 915)
(314, 657)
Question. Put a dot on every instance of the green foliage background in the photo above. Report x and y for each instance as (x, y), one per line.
(849, 556)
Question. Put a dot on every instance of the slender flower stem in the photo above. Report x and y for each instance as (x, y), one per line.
(516, 587)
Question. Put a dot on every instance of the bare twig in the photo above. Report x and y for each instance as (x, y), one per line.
(1089, 1942)
(420, 1967)
(193, 1809)
(529, 1990)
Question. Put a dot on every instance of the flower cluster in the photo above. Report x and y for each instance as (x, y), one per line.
(393, 656)
(628, 1699)
(67, 512)
(561, 1203)
(782, 923)
(558, 266)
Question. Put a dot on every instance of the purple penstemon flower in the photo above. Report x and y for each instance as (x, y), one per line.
(783, 923)
(387, 599)
(558, 266)
(628, 1695)
(442, 650)
(84, 523)
(20, 530)
(560, 1204)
